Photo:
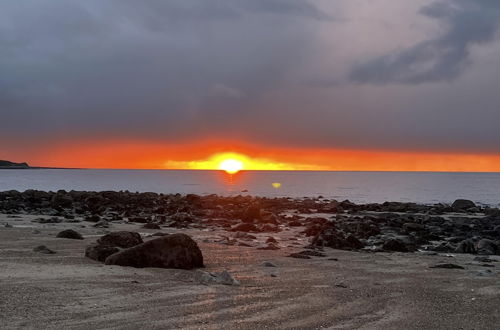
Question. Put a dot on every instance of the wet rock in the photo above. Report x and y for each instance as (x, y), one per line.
(151, 226)
(483, 259)
(395, 245)
(487, 247)
(61, 199)
(43, 249)
(447, 266)
(413, 227)
(138, 220)
(330, 237)
(251, 213)
(100, 252)
(462, 204)
(69, 233)
(93, 218)
(172, 251)
(123, 239)
(466, 246)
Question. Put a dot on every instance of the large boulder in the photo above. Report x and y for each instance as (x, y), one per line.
(123, 239)
(100, 252)
(172, 251)
(462, 204)
(69, 233)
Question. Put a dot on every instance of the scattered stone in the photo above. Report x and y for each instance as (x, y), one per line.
(447, 266)
(101, 224)
(100, 252)
(8, 225)
(123, 239)
(172, 251)
(69, 233)
(151, 226)
(299, 256)
(269, 246)
(223, 277)
(395, 245)
(43, 249)
(483, 259)
(268, 264)
(466, 246)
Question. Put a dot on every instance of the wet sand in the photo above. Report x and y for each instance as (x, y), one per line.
(359, 290)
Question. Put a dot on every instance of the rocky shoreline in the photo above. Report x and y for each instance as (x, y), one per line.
(462, 227)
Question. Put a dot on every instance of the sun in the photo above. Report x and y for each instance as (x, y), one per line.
(231, 166)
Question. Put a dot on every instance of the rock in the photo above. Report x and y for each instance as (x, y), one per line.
(43, 249)
(487, 247)
(100, 252)
(395, 245)
(462, 204)
(466, 246)
(268, 246)
(159, 234)
(172, 251)
(123, 239)
(151, 226)
(223, 277)
(447, 266)
(138, 220)
(312, 253)
(330, 237)
(245, 227)
(8, 225)
(101, 224)
(268, 264)
(251, 213)
(271, 239)
(93, 218)
(413, 227)
(61, 200)
(69, 233)
(483, 259)
(49, 220)
(299, 256)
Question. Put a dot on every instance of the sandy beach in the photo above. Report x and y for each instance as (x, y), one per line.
(342, 290)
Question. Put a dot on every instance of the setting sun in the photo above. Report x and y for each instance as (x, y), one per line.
(231, 166)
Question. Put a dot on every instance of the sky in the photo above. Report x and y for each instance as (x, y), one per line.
(291, 84)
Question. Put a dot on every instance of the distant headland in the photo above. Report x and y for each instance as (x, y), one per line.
(5, 164)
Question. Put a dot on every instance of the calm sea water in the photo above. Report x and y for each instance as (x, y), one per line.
(360, 187)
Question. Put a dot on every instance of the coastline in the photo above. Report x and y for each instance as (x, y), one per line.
(339, 285)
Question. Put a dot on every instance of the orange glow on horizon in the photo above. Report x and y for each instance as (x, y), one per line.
(210, 154)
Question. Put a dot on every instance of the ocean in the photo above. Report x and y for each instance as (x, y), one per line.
(359, 187)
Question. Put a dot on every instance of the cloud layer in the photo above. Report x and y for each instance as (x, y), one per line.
(344, 74)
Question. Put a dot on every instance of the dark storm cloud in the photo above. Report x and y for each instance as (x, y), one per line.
(440, 59)
(176, 70)
(110, 65)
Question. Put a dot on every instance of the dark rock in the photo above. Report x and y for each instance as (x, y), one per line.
(69, 233)
(299, 256)
(487, 247)
(462, 204)
(61, 200)
(138, 220)
(268, 246)
(100, 252)
(101, 224)
(123, 239)
(93, 218)
(172, 251)
(447, 266)
(413, 227)
(43, 249)
(466, 246)
(245, 227)
(312, 253)
(395, 245)
(483, 259)
(159, 234)
(251, 213)
(151, 226)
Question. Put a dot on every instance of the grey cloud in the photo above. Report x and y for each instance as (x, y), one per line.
(440, 59)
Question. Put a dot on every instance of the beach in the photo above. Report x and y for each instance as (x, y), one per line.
(342, 288)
